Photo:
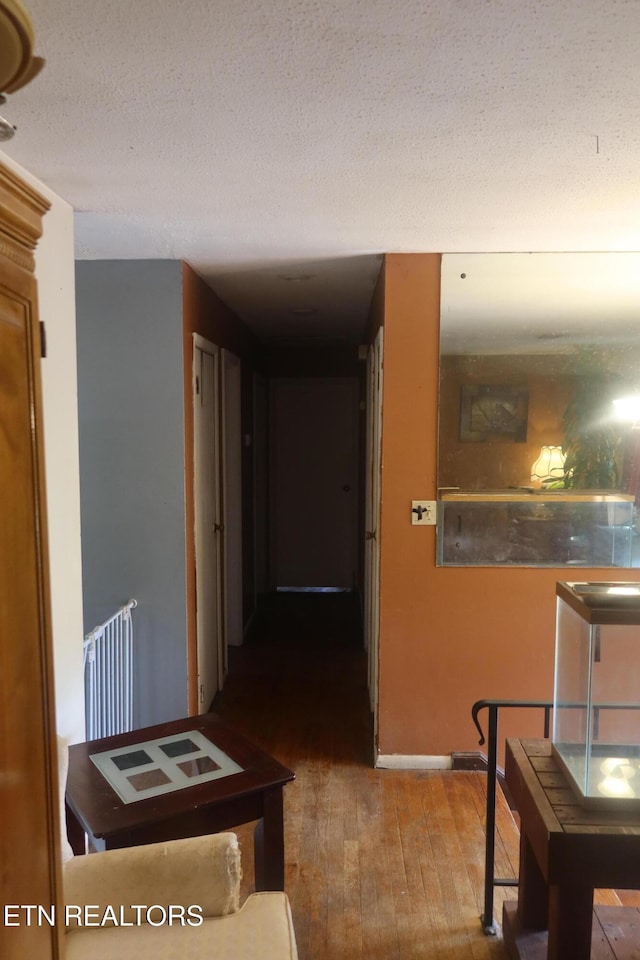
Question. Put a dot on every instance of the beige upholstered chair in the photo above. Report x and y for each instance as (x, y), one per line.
(202, 872)
(172, 901)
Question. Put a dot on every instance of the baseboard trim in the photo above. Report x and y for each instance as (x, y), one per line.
(470, 760)
(474, 760)
(406, 761)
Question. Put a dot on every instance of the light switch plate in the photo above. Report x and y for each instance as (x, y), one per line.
(423, 513)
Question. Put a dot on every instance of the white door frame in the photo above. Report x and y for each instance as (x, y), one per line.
(201, 345)
(372, 521)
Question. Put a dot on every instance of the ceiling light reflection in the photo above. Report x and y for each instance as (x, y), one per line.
(618, 772)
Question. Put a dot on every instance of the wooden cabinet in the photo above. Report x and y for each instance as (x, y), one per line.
(29, 841)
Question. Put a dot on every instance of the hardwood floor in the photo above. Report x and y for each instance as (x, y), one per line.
(380, 864)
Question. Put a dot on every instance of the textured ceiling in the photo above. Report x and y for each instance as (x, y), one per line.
(269, 139)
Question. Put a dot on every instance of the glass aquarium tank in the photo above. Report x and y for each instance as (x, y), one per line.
(542, 528)
(596, 701)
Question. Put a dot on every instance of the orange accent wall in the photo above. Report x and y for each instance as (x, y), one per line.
(448, 636)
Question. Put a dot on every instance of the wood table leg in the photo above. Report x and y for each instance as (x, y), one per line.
(75, 832)
(533, 892)
(570, 922)
(269, 843)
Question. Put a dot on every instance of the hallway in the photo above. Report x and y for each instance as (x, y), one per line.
(380, 864)
(300, 680)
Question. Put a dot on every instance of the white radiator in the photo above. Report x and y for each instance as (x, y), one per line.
(108, 675)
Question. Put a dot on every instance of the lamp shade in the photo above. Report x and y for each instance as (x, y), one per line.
(549, 464)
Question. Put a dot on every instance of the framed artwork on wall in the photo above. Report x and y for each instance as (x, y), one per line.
(493, 413)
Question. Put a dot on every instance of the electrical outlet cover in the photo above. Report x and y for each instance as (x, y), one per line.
(423, 513)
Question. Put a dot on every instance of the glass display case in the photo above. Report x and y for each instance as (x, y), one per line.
(596, 701)
(535, 528)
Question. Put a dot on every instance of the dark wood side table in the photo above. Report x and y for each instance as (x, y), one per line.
(180, 779)
(566, 851)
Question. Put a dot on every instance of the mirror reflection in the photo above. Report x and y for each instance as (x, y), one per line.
(539, 439)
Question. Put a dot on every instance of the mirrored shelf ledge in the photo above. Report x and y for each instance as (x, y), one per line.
(527, 493)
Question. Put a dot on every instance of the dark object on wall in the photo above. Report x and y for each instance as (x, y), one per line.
(493, 414)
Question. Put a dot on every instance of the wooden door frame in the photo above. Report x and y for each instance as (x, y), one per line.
(372, 521)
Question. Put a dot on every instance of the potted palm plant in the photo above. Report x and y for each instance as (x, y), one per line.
(592, 441)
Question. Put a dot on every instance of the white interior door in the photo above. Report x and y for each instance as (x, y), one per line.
(232, 498)
(313, 482)
(208, 521)
(372, 519)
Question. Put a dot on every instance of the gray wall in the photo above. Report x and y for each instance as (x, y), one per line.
(130, 405)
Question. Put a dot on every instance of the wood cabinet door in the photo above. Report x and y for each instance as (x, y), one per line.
(29, 841)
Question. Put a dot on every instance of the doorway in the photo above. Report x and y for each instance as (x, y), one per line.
(208, 521)
(308, 472)
(313, 489)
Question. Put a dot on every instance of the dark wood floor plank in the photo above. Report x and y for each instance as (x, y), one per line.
(622, 931)
(331, 832)
(375, 862)
(457, 906)
(367, 815)
(391, 838)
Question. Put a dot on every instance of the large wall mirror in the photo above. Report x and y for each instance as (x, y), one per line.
(539, 415)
